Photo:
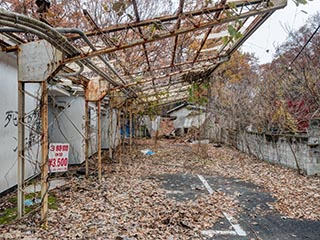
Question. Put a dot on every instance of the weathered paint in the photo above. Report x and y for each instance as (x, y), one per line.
(109, 131)
(45, 60)
(9, 121)
(96, 90)
(186, 118)
(67, 125)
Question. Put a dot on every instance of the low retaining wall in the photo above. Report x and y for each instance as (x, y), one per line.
(296, 152)
(290, 151)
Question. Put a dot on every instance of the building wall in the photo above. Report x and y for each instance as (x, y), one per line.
(181, 114)
(110, 134)
(187, 118)
(9, 122)
(68, 126)
(274, 149)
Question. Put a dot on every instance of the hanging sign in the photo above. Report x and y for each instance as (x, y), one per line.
(58, 157)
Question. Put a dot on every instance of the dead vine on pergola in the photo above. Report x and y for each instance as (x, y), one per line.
(152, 54)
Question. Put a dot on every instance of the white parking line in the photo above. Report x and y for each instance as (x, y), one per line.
(211, 233)
(235, 225)
(206, 184)
(237, 228)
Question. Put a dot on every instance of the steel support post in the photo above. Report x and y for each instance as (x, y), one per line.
(130, 129)
(44, 151)
(86, 129)
(21, 148)
(119, 132)
(110, 132)
(123, 124)
(99, 142)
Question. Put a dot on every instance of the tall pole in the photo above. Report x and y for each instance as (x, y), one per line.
(44, 151)
(99, 142)
(119, 133)
(123, 127)
(86, 134)
(21, 147)
(110, 132)
(130, 129)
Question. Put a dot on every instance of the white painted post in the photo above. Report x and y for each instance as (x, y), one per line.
(21, 147)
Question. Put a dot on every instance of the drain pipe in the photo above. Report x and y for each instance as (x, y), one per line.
(70, 51)
(11, 30)
(51, 35)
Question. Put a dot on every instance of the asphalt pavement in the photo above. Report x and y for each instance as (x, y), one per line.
(257, 220)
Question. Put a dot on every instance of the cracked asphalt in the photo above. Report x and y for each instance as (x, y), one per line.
(257, 218)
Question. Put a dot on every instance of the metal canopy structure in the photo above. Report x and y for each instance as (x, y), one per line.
(151, 60)
(142, 61)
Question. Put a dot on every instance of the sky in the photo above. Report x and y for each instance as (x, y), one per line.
(273, 32)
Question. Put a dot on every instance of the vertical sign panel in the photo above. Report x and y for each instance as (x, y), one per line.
(58, 157)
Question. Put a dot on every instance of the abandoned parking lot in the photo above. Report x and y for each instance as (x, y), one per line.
(176, 194)
(258, 220)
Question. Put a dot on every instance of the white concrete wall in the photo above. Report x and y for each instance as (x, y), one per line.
(68, 126)
(93, 141)
(194, 121)
(185, 120)
(181, 114)
(284, 150)
(146, 120)
(9, 121)
(290, 151)
(111, 130)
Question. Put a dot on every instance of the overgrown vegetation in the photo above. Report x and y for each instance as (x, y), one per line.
(9, 214)
(281, 96)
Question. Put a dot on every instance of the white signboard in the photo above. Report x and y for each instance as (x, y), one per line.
(58, 157)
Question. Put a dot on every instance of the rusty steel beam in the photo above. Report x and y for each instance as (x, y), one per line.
(177, 97)
(210, 60)
(168, 85)
(180, 10)
(87, 135)
(136, 12)
(202, 44)
(169, 18)
(181, 72)
(104, 38)
(165, 87)
(145, 97)
(172, 34)
(110, 133)
(79, 79)
(118, 130)
(99, 141)
(10, 48)
(249, 31)
(14, 37)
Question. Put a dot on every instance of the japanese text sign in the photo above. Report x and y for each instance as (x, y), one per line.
(58, 157)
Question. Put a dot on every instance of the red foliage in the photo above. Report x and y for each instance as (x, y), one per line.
(301, 110)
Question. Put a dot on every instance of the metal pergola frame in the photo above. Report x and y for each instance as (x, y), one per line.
(198, 25)
(138, 60)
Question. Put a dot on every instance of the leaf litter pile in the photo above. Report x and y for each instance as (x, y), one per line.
(130, 203)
